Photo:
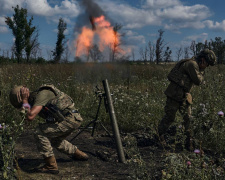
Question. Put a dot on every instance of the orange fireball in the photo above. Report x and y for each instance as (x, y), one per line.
(107, 37)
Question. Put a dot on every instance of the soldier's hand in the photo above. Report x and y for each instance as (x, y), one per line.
(25, 93)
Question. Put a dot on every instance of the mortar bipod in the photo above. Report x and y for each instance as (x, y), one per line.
(96, 120)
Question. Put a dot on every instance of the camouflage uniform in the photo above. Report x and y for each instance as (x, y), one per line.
(53, 133)
(182, 77)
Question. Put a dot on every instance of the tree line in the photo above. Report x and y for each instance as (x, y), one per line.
(26, 48)
(161, 52)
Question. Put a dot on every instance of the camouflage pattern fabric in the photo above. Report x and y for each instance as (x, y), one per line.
(50, 97)
(62, 101)
(53, 134)
(171, 109)
(49, 135)
(183, 76)
(176, 75)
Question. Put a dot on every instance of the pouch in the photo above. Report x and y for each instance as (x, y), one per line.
(189, 98)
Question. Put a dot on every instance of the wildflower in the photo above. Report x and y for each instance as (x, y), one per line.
(196, 151)
(220, 113)
(188, 163)
(180, 126)
(2, 126)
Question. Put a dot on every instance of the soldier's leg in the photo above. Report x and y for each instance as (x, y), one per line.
(43, 142)
(45, 148)
(171, 108)
(65, 146)
(55, 134)
(66, 127)
(48, 135)
(185, 110)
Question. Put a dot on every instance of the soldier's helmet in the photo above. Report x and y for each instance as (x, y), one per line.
(209, 55)
(15, 98)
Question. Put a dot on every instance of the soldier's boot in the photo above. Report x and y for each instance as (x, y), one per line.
(160, 136)
(164, 126)
(79, 155)
(50, 166)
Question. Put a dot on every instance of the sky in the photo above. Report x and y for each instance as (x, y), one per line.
(181, 20)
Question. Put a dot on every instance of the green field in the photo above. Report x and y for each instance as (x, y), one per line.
(138, 95)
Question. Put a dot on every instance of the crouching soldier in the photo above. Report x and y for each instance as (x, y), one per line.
(62, 118)
(183, 76)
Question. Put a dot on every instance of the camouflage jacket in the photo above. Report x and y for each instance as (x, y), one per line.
(58, 107)
(182, 77)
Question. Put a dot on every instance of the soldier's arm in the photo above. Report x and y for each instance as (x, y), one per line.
(41, 100)
(33, 112)
(194, 73)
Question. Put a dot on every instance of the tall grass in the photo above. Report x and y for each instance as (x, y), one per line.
(138, 94)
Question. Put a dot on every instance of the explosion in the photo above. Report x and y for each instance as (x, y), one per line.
(101, 33)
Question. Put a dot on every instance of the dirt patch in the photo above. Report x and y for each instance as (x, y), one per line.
(143, 161)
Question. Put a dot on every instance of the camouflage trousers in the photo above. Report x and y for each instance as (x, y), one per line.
(49, 135)
(171, 109)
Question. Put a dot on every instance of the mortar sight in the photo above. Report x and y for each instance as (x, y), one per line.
(99, 92)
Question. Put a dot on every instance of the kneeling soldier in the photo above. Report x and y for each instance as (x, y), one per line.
(62, 118)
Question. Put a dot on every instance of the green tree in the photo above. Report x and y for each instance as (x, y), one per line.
(218, 46)
(22, 30)
(57, 53)
(197, 47)
(31, 39)
(18, 24)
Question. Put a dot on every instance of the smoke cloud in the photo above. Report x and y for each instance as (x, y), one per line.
(89, 9)
(92, 8)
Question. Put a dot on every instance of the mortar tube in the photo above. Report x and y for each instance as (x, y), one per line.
(115, 128)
